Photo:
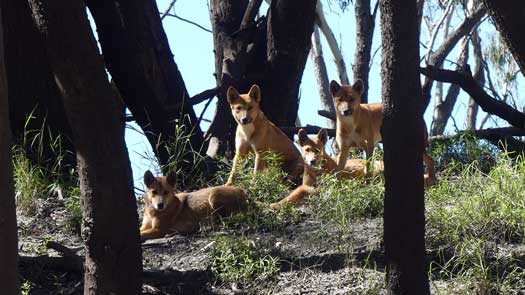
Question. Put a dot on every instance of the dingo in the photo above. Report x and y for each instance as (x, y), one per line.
(317, 162)
(166, 212)
(359, 125)
(256, 133)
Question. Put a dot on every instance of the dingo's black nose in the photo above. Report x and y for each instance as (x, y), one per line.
(160, 205)
(346, 112)
(245, 120)
(313, 162)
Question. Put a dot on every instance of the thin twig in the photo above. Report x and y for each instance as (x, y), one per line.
(170, 6)
(190, 22)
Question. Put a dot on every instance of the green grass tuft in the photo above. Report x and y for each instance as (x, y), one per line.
(239, 260)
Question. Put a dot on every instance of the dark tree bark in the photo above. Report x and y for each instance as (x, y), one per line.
(230, 48)
(290, 26)
(509, 20)
(110, 223)
(138, 56)
(403, 140)
(365, 24)
(32, 88)
(8, 229)
(270, 52)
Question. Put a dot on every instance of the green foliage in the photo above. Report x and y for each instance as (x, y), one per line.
(454, 156)
(182, 154)
(31, 182)
(43, 177)
(490, 206)
(74, 210)
(25, 288)
(266, 186)
(239, 260)
(263, 188)
(346, 200)
(469, 216)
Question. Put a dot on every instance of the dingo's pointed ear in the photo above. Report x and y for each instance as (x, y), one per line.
(171, 178)
(323, 135)
(302, 137)
(334, 87)
(232, 95)
(149, 179)
(255, 93)
(359, 86)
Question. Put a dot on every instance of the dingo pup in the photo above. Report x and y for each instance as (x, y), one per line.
(318, 162)
(167, 212)
(359, 125)
(256, 133)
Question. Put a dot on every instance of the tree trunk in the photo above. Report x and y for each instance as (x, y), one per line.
(110, 223)
(139, 59)
(231, 60)
(443, 110)
(290, 27)
(402, 131)
(479, 76)
(509, 20)
(365, 23)
(8, 229)
(271, 52)
(32, 90)
(321, 75)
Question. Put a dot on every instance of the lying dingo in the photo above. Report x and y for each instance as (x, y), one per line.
(169, 212)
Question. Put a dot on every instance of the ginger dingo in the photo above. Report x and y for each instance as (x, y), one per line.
(359, 125)
(256, 133)
(318, 162)
(167, 212)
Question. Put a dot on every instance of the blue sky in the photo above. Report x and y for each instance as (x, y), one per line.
(193, 52)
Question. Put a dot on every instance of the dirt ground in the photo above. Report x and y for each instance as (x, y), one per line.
(314, 258)
(311, 258)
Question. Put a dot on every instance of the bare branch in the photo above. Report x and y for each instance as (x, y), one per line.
(332, 42)
(485, 101)
(437, 26)
(190, 22)
(329, 115)
(321, 75)
(250, 13)
(170, 6)
(310, 129)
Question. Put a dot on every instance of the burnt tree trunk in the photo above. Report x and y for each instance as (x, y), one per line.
(270, 52)
(113, 262)
(32, 89)
(402, 131)
(8, 229)
(365, 23)
(139, 59)
(509, 20)
(290, 27)
(230, 48)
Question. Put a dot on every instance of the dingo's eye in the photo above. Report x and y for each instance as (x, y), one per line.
(308, 150)
(154, 192)
(238, 109)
